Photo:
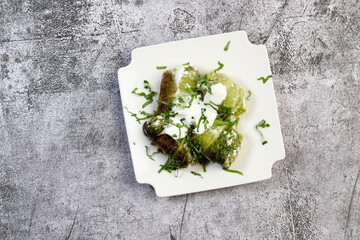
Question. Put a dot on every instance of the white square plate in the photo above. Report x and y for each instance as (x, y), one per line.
(243, 63)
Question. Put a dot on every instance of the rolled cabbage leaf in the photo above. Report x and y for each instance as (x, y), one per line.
(235, 95)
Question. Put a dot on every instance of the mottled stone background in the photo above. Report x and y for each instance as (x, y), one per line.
(65, 167)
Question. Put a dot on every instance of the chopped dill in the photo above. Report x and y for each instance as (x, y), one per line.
(190, 102)
(204, 167)
(170, 165)
(227, 46)
(149, 96)
(197, 174)
(262, 124)
(212, 105)
(205, 81)
(185, 125)
(189, 68)
(192, 92)
(233, 171)
(188, 63)
(248, 97)
(203, 119)
(178, 125)
(169, 104)
(149, 115)
(196, 151)
(151, 155)
(265, 79)
(138, 119)
(220, 66)
(161, 67)
(222, 111)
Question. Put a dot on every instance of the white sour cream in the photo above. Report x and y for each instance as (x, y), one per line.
(191, 115)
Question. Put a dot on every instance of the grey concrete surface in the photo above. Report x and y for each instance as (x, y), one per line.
(65, 169)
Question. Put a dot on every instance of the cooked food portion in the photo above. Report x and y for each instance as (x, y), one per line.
(196, 118)
(167, 91)
(220, 143)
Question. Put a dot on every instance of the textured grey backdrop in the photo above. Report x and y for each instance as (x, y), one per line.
(65, 167)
